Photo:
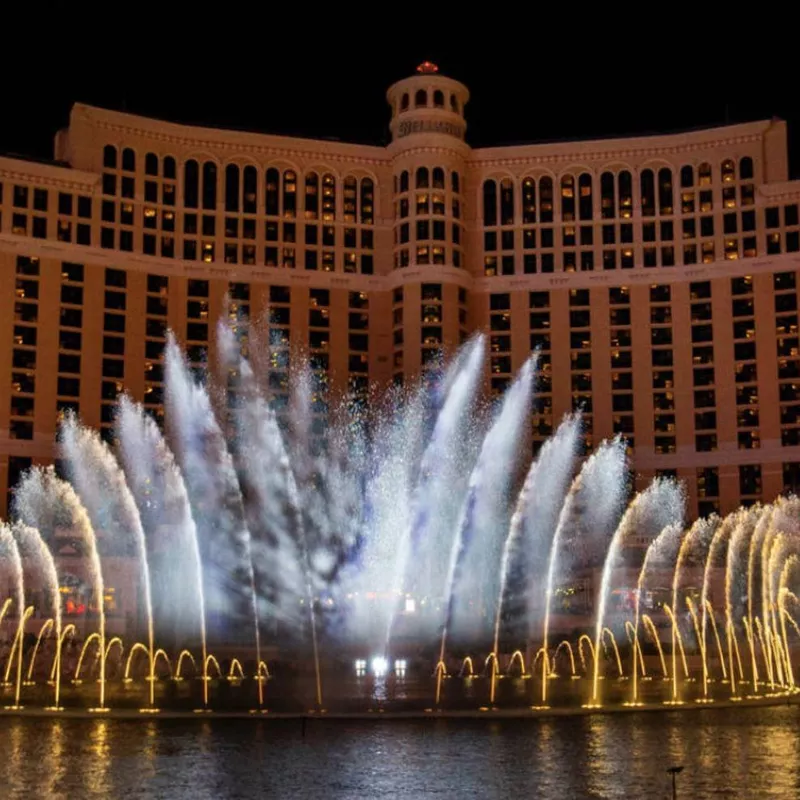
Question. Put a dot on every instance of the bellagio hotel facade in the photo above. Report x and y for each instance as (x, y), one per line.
(657, 276)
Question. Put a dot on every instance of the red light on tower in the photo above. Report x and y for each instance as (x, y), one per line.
(427, 68)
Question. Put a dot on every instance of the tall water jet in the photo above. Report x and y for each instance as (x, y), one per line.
(32, 545)
(214, 491)
(11, 551)
(272, 502)
(101, 485)
(534, 519)
(475, 565)
(663, 549)
(759, 543)
(436, 502)
(160, 493)
(44, 501)
(716, 551)
(785, 522)
(791, 563)
(586, 522)
(737, 581)
(697, 539)
(379, 561)
(652, 510)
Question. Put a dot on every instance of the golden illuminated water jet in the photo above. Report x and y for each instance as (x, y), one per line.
(441, 673)
(46, 626)
(653, 631)
(677, 644)
(700, 642)
(183, 655)
(711, 616)
(568, 647)
(235, 672)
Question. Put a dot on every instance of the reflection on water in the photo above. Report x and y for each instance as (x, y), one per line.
(735, 753)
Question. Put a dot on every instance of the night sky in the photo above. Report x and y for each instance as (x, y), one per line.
(548, 86)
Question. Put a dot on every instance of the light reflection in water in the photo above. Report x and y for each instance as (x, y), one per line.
(54, 764)
(98, 759)
(742, 752)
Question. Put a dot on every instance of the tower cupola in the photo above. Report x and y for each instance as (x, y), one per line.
(427, 103)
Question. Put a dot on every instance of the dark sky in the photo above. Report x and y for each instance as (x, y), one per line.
(551, 84)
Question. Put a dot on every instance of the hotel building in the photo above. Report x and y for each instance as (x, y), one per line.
(657, 276)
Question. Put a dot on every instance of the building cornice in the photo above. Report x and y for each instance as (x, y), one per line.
(639, 148)
(18, 169)
(238, 142)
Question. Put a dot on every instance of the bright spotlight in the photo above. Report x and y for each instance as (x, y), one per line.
(411, 605)
(379, 666)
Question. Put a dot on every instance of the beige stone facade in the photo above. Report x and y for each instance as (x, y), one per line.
(657, 275)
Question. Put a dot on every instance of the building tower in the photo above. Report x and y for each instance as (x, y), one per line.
(429, 282)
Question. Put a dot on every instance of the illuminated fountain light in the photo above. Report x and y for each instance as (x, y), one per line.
(302, 573)
(380, 666)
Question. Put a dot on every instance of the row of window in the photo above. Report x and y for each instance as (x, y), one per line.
(662, 360)
(242, 191)
(425, 99)
(617, 199)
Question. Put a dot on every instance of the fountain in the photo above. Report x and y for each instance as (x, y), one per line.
(11, 551)
(406, 539)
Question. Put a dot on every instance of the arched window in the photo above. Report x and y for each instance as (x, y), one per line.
(546, 199)
(625, 194)
(250, 197)
(209, 185)
(312, 196)
(746, 169)
(170, 170)
(231, 187)
(420, 98)
(271, 192)
(349, 198)
(585, 195)
(567, 198)
(289, 194)
(455, 182)
(328, 198)
(506, 202)
(454, 103)
(128, 160)
(110, 156)
(528, 201)
(607, 200)
(151, 164)
(422, 178)
(437, 178)
(191, 184)
(687, 177)
(404, 102)
(489, 203)
(704, 174)
(647, 186)
(438, 99)
(404, 181)
(665, 196)
(728, 171)
(367, 201)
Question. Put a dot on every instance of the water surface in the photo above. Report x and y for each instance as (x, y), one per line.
(730, 753)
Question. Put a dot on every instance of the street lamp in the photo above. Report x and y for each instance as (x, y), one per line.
(675, 771)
